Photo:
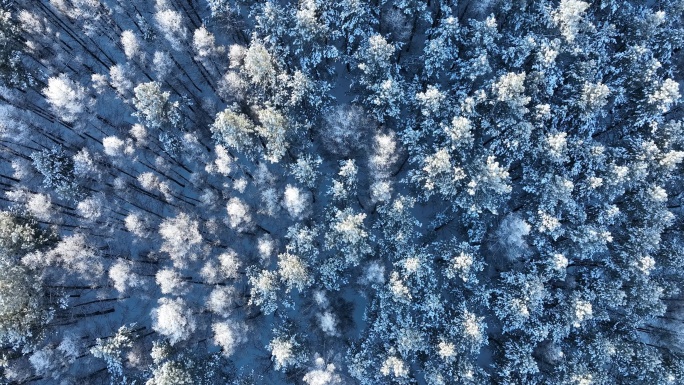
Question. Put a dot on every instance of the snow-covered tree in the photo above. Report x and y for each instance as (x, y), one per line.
(170, 281)
(24, 308)
(229, 335)
(568, 17)
(285, 352)
(305, 170)
(345, 128)
(293, 271)
(264, 289)
(173, 320)
(181, 238)
(259, 65)
(111, 349)
(58, 172)
(348, 235)
(274, 129)
(296, 202)
(322, 374)
(154, 105)
(130, 43)
(204, 42)
(123, 276)
(171, 373)
(67, 98)
(12, 72)
(221, 300)
(21, 234)
(239, 217)
(172, 26)
(234, 130)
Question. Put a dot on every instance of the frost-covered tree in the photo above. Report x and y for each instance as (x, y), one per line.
(21, 234)
(58, 172)
(344, 187)
(375, 57)
(173, 320)
(12, 72)
(154, 105)
(170, 281)
(274, 129)
(226, 266)
(229, 335)
(509, 238)
(296, 202)
(234, 130)
(90, 208)
(239, 217)
(67, 98)
(378, 76)
(172, 26)
(24, 307)
(439, 174)
(422, 192)
(171, 373)
(111, 349)
(305, 170)
(285, 352)
(568, 17)
(294, 272)
(441, 49)
(259, 65)
(181, 238)
(510, 89)
(347, 233)
(322, 374)
(345, 128)
(264, 288)
(123, 276)
(130, 43)
(73, 253)
(221, 300)
(204, 42)
(348, 239)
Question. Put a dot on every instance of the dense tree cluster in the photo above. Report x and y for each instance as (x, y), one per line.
(328, 192)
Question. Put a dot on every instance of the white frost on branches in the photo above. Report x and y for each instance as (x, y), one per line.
(239, 217)
(510, 88)
(170, 281)
(296, 202)
(328, 323)
(322, 374)
(171, 25)
(113, 146)
(173, 319)
(228, 335)
(395, 367)
(665, 96)
(284, 352)
(263, 292)
(568, 17)
(130, 44)
(66, 97)
(294, 272)
(123, 276)
(181, 238)
(258, 64)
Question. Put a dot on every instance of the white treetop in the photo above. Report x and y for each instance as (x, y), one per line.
(173, 319)
(67, 98)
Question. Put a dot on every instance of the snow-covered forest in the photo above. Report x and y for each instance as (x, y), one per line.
(338, 192)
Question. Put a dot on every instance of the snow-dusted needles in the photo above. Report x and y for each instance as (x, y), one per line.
(321, 192)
